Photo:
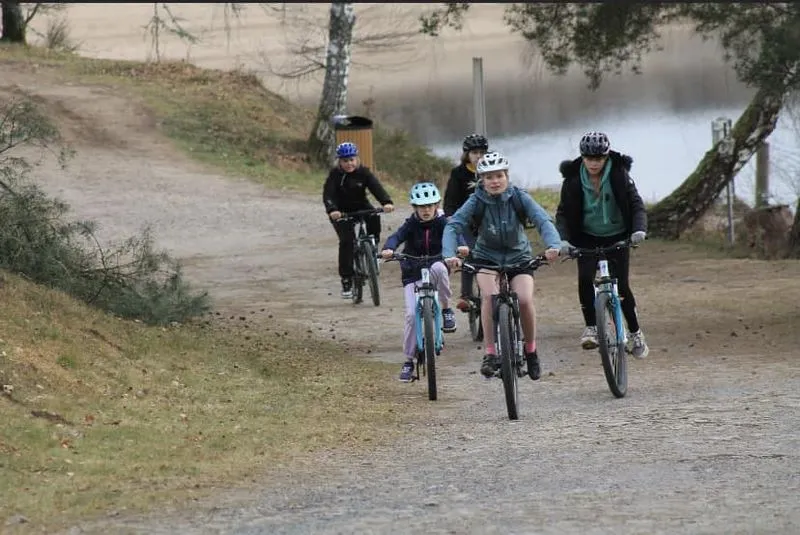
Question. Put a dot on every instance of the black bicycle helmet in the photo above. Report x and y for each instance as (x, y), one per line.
(594, 144)
(475, 142)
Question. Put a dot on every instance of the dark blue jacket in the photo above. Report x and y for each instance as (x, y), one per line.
(420, 239)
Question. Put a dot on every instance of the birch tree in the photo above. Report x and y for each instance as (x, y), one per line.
(334, 87)
(762, 41)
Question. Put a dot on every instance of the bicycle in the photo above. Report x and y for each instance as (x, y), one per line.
(428, 323)
(365, 263)
(474, 313)
(612, 340)
(509, 340)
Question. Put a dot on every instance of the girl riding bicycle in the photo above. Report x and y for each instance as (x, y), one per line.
(422, 235)
(460, 186)
(345, 191)
(502, 240)
(600, 206)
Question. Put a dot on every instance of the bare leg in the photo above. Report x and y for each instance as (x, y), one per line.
(523, 286)
(487, 282)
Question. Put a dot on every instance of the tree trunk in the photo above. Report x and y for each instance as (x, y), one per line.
(683, 207)
(334, 88)
(794, 235)
(13, 23)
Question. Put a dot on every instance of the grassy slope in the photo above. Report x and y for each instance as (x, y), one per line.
(129, 416)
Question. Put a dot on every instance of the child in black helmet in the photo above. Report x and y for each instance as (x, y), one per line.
(600, 206)
(345, 191)
(459, 188)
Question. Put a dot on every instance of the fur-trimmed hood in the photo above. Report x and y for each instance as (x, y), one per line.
(571, 167)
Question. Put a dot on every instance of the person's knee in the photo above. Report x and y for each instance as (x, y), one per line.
(438, 269)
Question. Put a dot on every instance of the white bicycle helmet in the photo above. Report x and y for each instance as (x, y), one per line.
(424, 193)
(492, 161)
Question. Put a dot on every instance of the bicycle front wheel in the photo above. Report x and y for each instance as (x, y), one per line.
(508, 357)
(371, 260)
(611, 346)
(359, 272)
(429, 341)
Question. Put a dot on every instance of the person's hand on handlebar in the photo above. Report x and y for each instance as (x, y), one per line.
(551, 254)
(335, 215)
(566, 248)
(462, 251)
(386, 254)
(453, 262)
(388, 208)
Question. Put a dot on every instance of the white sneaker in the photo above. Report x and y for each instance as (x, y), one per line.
(589, 338)
(639, 347)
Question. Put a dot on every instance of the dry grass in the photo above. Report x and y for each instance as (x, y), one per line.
(228, 119)
(109, 414)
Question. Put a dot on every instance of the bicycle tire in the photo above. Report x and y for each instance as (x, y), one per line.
(372, 274)
(358, 277)
(474, 314)
(429, 346)
(612, 350)
(508, 357)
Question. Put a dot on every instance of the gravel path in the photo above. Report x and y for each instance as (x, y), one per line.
(700, 445)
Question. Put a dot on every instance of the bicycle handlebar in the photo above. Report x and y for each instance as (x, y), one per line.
(359, 213)
(403, 256)
(535, 263)
(577, 252)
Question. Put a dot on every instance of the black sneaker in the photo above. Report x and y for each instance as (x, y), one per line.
(534, 369)
(347, 289)
(490, 365)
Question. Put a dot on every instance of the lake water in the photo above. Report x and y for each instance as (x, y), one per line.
(666, 147)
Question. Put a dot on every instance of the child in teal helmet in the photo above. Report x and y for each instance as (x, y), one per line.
(422, 235)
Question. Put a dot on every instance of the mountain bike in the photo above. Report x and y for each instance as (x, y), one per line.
(365, 262)
(428, 323)
(509, 341)
(612, 337)
(474, 313)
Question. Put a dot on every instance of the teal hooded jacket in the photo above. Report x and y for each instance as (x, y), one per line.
(501, 239)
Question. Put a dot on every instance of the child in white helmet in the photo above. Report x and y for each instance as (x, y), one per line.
(422, 235)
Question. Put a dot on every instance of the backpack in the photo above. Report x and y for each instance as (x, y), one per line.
(480, 209)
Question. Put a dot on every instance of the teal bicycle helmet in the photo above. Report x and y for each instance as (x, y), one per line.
(424, 193)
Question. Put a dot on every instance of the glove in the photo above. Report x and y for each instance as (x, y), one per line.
(638, 237)
(566, 247)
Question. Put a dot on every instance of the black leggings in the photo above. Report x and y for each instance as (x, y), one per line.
(346, 233)
(619, 266)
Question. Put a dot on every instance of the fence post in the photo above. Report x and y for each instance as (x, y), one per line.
(720, 129)
(762, 176)
(478, 96)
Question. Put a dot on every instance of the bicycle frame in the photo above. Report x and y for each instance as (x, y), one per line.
(605, 283)
(427, 291)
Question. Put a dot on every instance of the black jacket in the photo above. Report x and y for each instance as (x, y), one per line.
(459, 188)
(345, 192)
(569, 215)
(421, 238)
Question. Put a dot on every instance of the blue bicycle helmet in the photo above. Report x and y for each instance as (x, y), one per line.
(346, 150)
(424, 193)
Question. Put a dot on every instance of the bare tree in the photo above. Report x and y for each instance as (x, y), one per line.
(334, 88)
(17, 17)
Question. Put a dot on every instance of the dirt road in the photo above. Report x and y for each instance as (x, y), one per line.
(706, 441)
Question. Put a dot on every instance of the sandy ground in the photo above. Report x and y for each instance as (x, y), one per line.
(705, 442)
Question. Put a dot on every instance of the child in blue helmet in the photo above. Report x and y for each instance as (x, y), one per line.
(345, 191)
(422, 234)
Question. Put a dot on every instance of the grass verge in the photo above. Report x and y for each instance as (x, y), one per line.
(228, 119)
(101, 413)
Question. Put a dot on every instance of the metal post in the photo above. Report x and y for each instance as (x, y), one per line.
(720, 130)
(478, 96)
(762, 175)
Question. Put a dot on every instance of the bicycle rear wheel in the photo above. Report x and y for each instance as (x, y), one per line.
(508, 358)
(612, 348)
(474, 313)
(429, 341)
(371, 260)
